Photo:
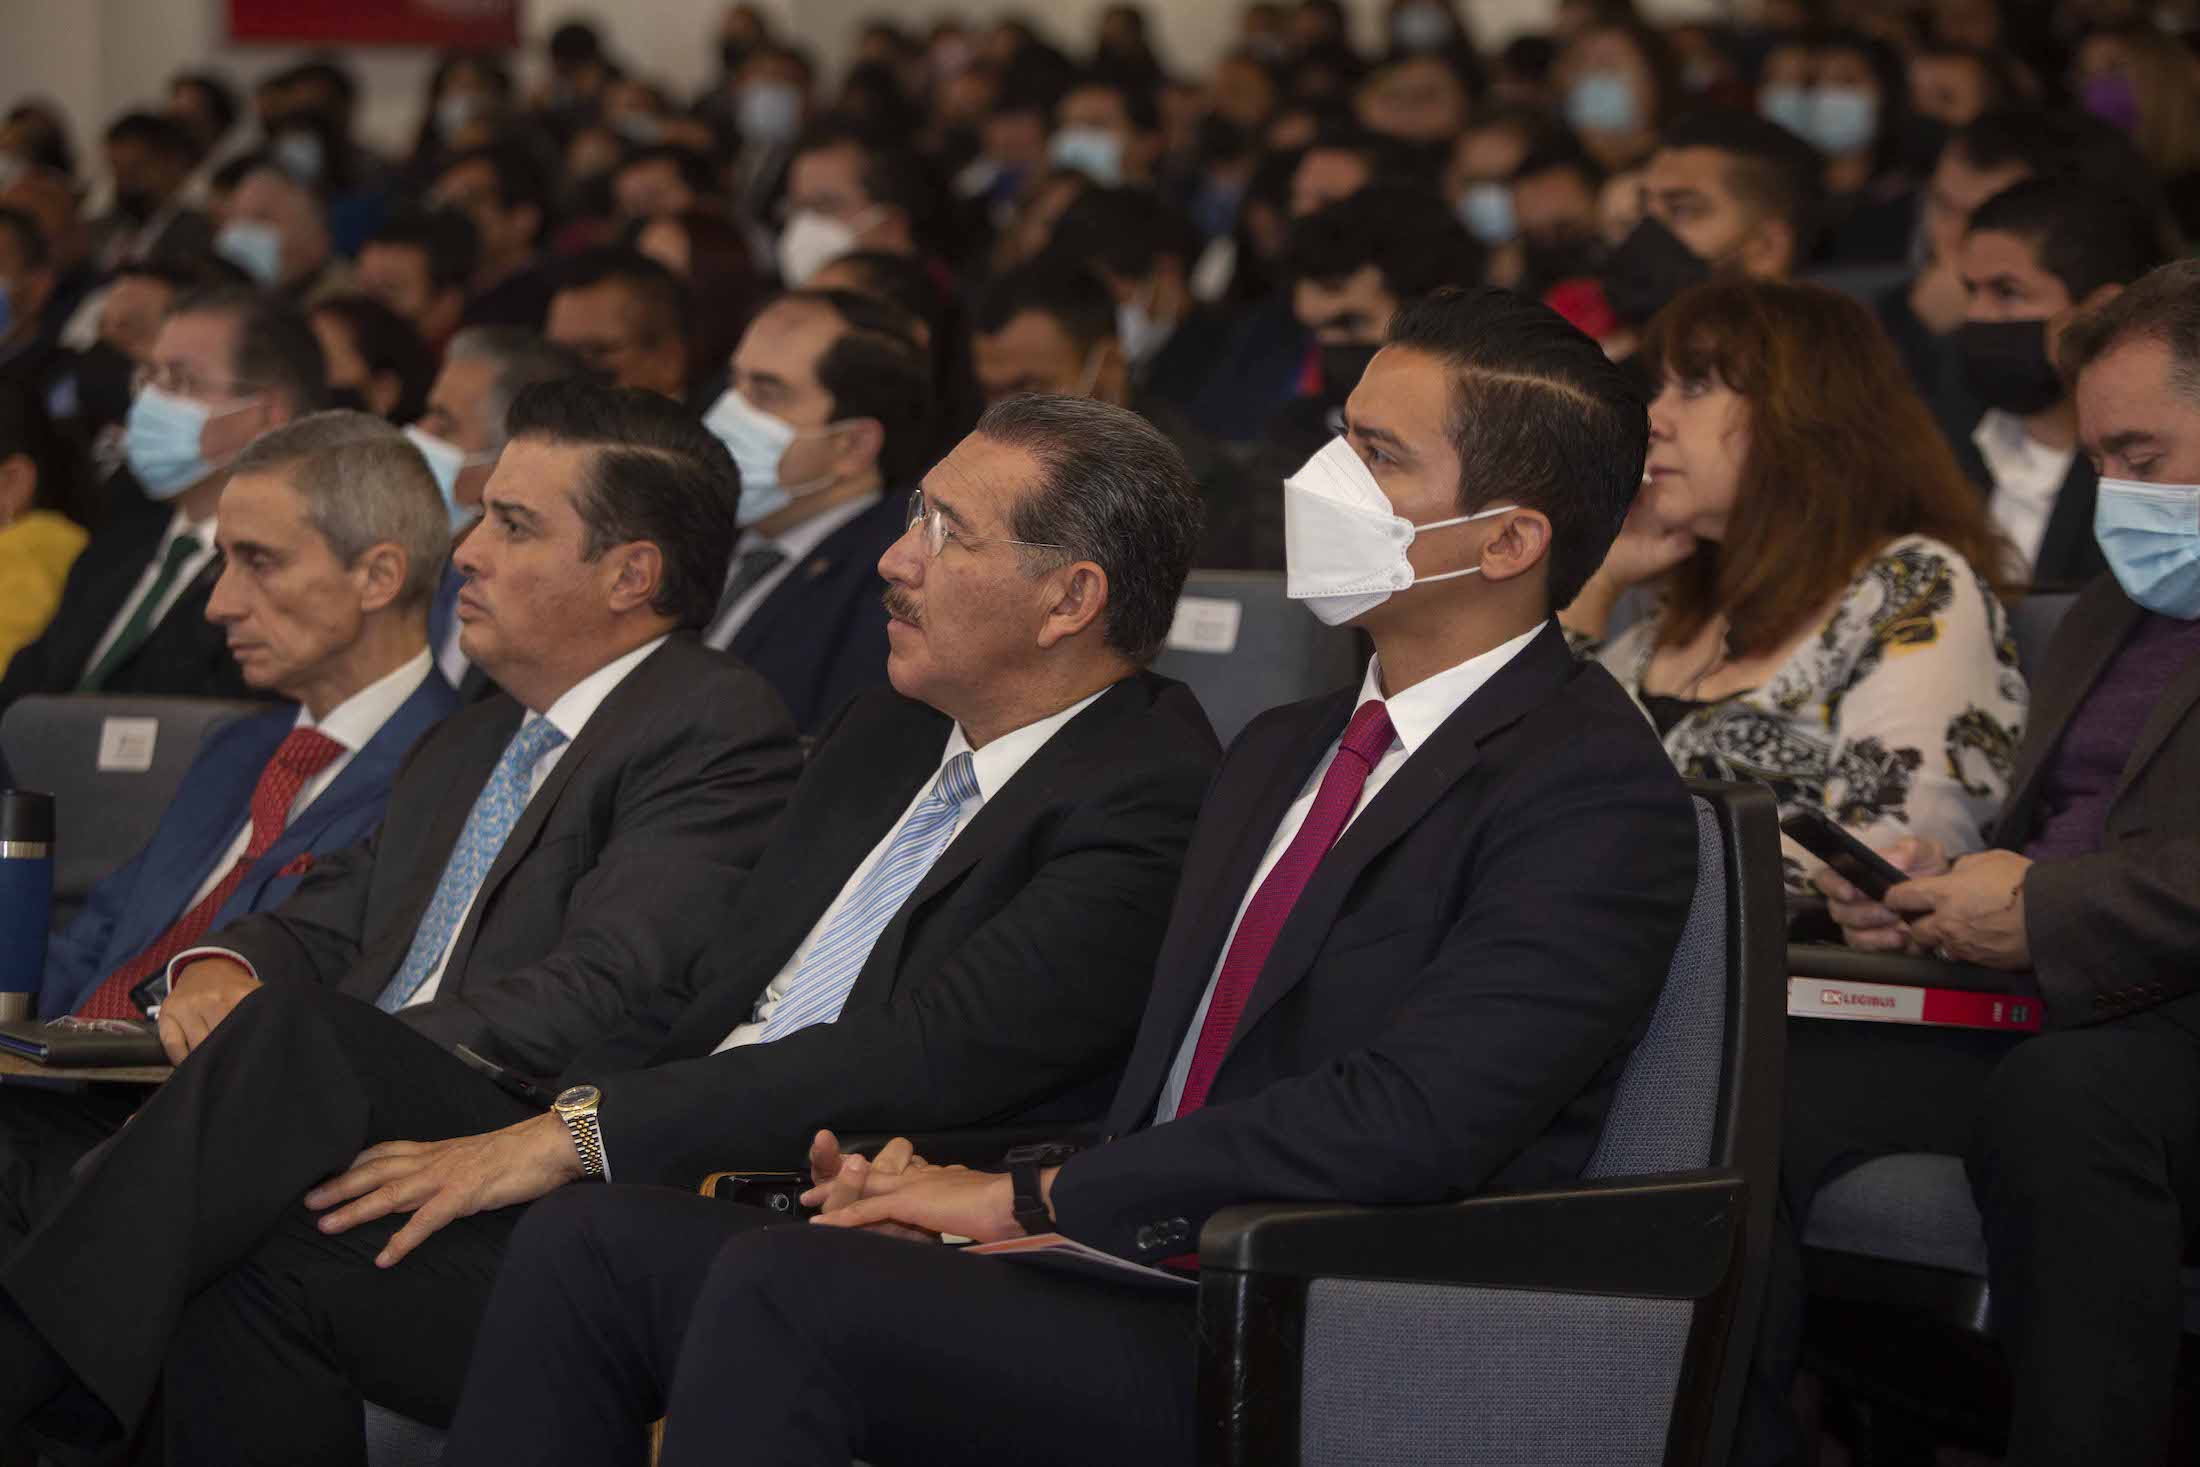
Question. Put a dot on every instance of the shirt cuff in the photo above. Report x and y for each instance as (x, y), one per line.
(192, 954)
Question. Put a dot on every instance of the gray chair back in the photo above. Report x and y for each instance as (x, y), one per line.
(400, 1441)
(1243, 648)
(1504, 1375)
(112, 765)
(2033, 622)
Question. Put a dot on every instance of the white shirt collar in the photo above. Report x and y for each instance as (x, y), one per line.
(2012, 453)
(800, 540)
(996, 764)
(361, 716)
(1421, 709)
(180, 525)
(577, 704)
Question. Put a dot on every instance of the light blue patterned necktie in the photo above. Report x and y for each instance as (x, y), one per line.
(495, 812)
(829, 969)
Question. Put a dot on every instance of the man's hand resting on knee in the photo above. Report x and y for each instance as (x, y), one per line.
(441, 1181)
(201, 997)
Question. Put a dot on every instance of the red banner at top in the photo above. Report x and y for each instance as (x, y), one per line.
(455, 24)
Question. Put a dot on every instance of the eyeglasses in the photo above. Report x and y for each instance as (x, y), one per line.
(937, 531)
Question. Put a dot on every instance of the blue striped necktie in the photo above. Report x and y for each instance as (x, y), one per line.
(496, 810)
(829, 969)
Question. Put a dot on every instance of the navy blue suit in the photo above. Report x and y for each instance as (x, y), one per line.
(820, 637)
(136, 903)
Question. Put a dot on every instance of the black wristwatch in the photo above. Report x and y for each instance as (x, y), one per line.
(1031, 1208)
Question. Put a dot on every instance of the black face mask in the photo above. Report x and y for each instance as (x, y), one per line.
(2005, 363)
(1546, 262)
(1219, 140)
(732, 55)
(1342, 368)
(1650, 267)
(136, 204)
(103, 379)
(1917, 147)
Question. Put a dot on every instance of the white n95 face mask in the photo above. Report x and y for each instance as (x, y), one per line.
(1344, 546)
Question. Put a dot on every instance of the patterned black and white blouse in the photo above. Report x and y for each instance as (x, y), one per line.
(1900, 716)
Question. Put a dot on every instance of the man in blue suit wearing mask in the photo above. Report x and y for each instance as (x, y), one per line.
(828, 414)
(332, 536)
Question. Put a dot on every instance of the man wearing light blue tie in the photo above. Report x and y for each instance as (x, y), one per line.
(955, 923)
(549, 856)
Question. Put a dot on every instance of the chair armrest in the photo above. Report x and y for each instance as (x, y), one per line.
(1906, 970)
(1680, 1232)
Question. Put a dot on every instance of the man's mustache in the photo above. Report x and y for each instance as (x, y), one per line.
(900, 607)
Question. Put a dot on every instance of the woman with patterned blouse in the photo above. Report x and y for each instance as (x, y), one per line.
(1822, 615)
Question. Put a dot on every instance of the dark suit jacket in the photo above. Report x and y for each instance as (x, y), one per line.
(186, 655)
(2114, 932)
(820, 636)
(2069, 555)
(1451, 999)
(609, 885)
(129, 909)
(1006, 988)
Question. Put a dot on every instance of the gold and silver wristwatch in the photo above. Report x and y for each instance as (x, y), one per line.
(576, 1107)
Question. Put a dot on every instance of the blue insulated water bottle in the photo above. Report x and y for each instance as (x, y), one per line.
(26, 899)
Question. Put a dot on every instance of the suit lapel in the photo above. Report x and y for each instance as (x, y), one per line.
(2168, 712)
(1236, 824)
(852, 795)
(1416, 790)
(1006, 815)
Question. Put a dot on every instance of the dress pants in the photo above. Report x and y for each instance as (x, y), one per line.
(793, 1344)
(2083, 1148)
(160, 1241)
(45, 1131)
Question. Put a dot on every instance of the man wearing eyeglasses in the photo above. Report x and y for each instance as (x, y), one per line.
(228, 365)
(955, 924)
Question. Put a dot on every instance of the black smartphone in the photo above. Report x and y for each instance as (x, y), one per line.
(1852, 860)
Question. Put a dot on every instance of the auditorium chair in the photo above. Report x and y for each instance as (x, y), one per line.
(112, 765)
(1608, 1321)
(2032, 624)
(1243, 648)
(1894, 1256)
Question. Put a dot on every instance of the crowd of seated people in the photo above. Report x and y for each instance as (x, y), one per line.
(701, 561)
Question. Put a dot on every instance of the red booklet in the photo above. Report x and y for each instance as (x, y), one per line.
(1894, 1003)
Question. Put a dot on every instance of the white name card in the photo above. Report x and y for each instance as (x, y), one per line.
(1205, 624)
(126, 745)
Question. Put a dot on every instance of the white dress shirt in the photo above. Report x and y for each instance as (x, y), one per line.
(350, 723)
(993, 767)
(570, 713)
(795, 546)
(178, 527)
(1415, 714)
(450, 658)
(2027, 474)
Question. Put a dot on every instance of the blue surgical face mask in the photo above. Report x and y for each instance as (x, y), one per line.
(758, 441)
(253, 247)
(302, 155)
(769, 112)
(1788, 104)
(7, 310)
(160, 440)
(1487, 211)
(1092, 151)
(446, 461)
(1421, 27)
(2150, 534)
(1843, 119)
(1602, 101)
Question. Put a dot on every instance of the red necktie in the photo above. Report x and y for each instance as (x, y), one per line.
(302, 755)
(1366, 740)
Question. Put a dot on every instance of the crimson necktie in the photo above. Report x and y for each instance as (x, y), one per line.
(302, 755)
(1366, 739)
